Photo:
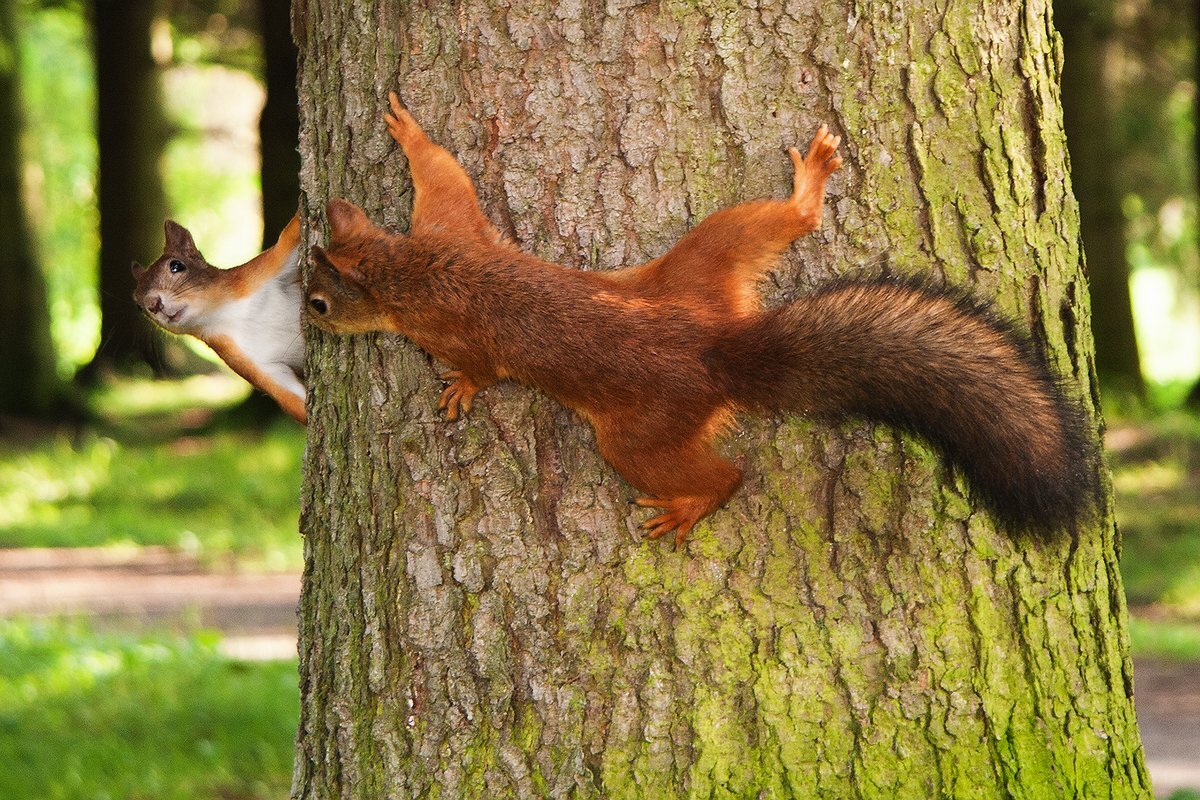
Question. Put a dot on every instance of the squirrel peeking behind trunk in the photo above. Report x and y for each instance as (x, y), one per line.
(249, 315)
(659, 357)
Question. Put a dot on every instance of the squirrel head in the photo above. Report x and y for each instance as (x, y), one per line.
(174, 289)
(339, 296)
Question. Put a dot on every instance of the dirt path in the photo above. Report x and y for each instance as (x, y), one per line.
(156, 587)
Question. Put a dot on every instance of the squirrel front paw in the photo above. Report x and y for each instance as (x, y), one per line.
(458, 396)
(400, 124)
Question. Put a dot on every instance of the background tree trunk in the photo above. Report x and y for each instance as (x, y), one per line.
(279, 125)
(480, 617)
(131, 135)
(28, 382)
(1193, 397)
(1089, 118)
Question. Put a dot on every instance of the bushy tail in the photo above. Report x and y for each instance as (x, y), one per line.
(942, 366)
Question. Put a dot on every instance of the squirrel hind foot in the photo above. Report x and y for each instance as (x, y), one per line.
(459, 395)
(812, 170)
(681, 515)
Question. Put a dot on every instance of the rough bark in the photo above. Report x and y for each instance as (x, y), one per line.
(131, 135)
(1089, 118)
(29, 384)
(480, 617)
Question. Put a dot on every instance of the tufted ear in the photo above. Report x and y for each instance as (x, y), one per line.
(345, 219)
(179, 240)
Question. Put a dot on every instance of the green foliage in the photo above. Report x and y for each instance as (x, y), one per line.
(210, 169)
(143, 481)
(216, 32)
(85, 715)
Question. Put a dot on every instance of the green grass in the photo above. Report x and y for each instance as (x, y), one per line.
(1164, 638)
(145, 477)
(1155, 458)
(84, 715)
(1156, 475)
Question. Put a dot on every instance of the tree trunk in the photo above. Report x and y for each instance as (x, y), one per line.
(131, 135)
(1193, 397)
(1089, 119)
(29, 385)
(480, 617)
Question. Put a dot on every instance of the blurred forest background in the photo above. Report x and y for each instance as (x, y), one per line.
(116, 114)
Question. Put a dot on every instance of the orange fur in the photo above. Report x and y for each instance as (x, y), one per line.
(659, 356)
(708, 277)
(247, 278)
(243, 365)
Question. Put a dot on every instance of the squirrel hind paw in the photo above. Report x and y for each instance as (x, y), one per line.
(681, 515)
(822, 159)
(457, 398)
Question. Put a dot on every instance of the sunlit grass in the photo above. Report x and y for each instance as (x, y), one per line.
(86, 715)
(138, 396)
(224, 495)
(1165, 638)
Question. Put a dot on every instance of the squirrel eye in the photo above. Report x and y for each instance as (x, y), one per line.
(319, 305)
(177, 266)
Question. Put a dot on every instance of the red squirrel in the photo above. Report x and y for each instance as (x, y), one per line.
(249, 315)
(659, 357)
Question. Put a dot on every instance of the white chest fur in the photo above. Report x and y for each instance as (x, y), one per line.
(259, 336)
(265, 325)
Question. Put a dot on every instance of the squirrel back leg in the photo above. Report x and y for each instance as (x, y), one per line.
(443, 195)
(715, 265)
(687, 479)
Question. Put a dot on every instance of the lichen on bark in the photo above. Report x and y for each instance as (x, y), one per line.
(481, 618)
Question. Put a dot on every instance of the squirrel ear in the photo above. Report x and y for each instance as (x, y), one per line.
(178, 238)
(340, 271)
(345, 219)
(319, 259)
(136, 267)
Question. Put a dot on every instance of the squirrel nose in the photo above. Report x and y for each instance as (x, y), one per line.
(154, 304)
